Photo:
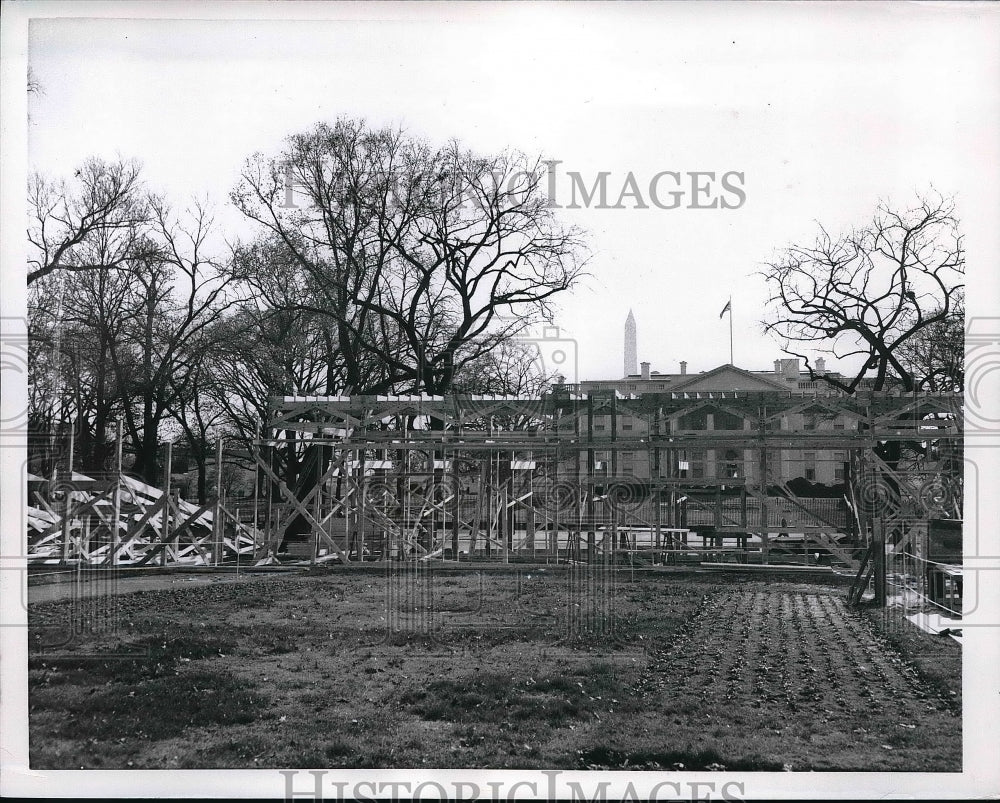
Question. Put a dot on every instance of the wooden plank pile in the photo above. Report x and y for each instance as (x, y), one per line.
(120, 521)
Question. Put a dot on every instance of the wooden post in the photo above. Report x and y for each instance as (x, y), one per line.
(456, 508)
(318, 516)
(658, 517)
(510, 507)
(405, 495)
(764, 545)
(502, 518)
(256, 498)
(590, 487)
(487, 489)
(529, 516)
(361, 504)
(557, 517)
(880, 569)
(85, 537)
(68, 502)
(116, 518)
(166, 508)
(236, 538)
(217, 523)
(614, 532)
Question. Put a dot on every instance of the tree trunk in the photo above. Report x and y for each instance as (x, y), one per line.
(202, 463)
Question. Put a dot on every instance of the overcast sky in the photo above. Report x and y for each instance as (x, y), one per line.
(824, 109)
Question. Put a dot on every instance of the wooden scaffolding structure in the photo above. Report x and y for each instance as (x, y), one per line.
(502, 478)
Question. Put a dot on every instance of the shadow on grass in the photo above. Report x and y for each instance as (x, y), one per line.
(138, 690)
(158, 708)
(127, 662)
(492, 696)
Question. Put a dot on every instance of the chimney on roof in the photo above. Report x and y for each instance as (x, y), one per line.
(777, 366)
(820, 366)
(645, 370)
(684, 367)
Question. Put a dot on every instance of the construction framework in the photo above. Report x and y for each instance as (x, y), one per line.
(468, 477)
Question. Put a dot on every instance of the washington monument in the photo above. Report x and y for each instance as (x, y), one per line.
(631, 352)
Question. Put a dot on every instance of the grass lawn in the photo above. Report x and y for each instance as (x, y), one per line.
(503, 668)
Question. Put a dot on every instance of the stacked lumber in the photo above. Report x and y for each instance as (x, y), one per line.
(125, 522)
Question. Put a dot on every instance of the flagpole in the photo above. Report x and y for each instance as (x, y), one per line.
(729, 308)
(731, 332)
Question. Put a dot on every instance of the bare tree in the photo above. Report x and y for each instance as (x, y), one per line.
(263, 354)
(510, 369)
(870, 293)
(194, 405)
(182, 292)
(105, 200)
(127, 335)
(935, 356)
(422, 259)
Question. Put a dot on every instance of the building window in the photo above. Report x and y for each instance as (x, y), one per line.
(839, 459)
(730, 466)
(838, 423)
(809, 461)
(696, 460)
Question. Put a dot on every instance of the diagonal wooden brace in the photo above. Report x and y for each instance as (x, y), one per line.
(290, 497)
